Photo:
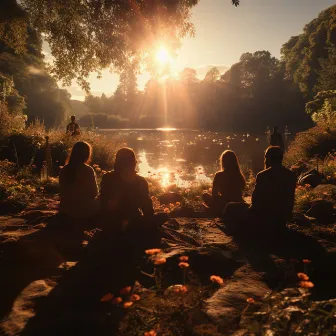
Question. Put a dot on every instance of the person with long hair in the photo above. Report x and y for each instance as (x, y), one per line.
(228, 184)
(78, 183)
(124, 193)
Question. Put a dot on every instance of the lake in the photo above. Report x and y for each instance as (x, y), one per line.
(185, 157)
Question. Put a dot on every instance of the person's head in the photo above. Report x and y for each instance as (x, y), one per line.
(125, 160)
(275, 129)
(73, 118)
(273, 156)
(81, 153)
(229, 163)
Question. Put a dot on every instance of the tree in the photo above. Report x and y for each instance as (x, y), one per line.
(327, 74)
(86, 36)
(305, 55)
(43, 98)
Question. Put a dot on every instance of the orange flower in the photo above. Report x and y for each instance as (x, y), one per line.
(303, 276)
(178, 203)
(306, 261)
(184, 258)
(183, 265)
(117, 300)
(250, 300)
(166, 210)
(128, 304)
(153, 251)
(180, 289)
(306, 284)
(217, 279)
(160, 261)
(150, 333)
(107, 297)
(135, 297)
(126, 290)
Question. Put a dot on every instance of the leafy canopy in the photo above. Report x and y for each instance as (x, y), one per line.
(89, 35)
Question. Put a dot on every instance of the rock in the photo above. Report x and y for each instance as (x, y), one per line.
(313, 178)
(183, 212)
(11, 207)
(322, 210)
(325, 189)
(23, 307)
(170, 197)
(226, 305)
(303, 220)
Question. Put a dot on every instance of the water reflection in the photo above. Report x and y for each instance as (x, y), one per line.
(185, 157)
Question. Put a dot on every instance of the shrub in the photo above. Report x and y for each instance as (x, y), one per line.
(28, 147)
(318, 140)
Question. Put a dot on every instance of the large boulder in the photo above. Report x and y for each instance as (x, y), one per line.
(227, 304)
(322, 210)
(312, 178)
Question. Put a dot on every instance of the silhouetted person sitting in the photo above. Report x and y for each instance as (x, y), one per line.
(73, 128)
(228, 184)
(78, 184)
(125, 197)
(276, 138)
(272, 198)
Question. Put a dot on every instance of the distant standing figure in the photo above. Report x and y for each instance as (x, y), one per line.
(73, 128)
(78, 184)
(276, 138)
(228, 184)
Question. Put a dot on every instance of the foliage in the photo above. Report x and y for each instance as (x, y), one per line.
(103, 120)
(97, 34)
(322, 108)
(250, 96)
(30, 79)
(310, 56)
(16, 185)
(28, 147)
(315, 141)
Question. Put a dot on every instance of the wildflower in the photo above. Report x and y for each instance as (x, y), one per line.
(306, 261)
(107, 297)
(306, 284)
(178, 203)
(150, 333)
(160, 261)
(183, 265)
(117, 300)
(153, 251)
(128, 304)
(171, 204)
(184, 258)
(135, 297)
(250, 300)
(180, 289)
(217, 279)
(166, 210)
(125, 290)
(303, 276)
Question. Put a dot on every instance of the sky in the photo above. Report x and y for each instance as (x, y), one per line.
(224, 32)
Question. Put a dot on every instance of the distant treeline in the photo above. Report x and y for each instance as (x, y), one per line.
(258, 91)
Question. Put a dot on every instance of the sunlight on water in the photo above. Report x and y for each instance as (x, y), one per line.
(172, 176)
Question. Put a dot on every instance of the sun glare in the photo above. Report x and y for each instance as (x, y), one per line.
(162, 56)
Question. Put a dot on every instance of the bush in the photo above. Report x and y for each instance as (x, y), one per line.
(318, 140)
(27, 148)
(103, 120)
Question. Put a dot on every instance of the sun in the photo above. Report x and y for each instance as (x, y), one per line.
(162, 56)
